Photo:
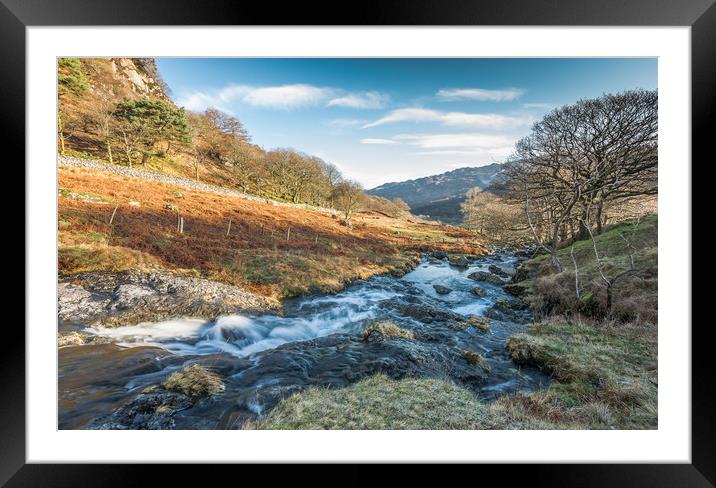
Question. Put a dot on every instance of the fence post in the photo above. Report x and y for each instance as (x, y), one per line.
(288, 234)
(228, 231)
(111, 219)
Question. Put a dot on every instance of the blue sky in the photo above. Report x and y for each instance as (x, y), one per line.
(383, 119)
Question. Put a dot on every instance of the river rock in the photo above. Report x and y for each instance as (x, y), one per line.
(496, 270)
(439, 254)
(421, 313)
(442, 290)
(485, 276)
(152, 410)
(480, 292)
(513, 310)
(516, 289)
(459, 261)
(131, 297)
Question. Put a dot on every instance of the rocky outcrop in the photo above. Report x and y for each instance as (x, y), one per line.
(114, 299)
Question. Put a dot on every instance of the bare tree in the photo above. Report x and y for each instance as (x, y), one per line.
(611, 281)
(581, 158)
(347, 197)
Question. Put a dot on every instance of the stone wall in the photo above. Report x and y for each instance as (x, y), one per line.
(177, 180)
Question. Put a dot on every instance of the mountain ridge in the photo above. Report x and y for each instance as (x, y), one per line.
(439, 196)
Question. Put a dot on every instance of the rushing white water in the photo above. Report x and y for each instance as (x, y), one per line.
(243, 335)
(309, 317)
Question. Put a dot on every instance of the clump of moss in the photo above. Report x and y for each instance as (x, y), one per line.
(476, 359)
(387, 330)
(194, 381)
(478, 322)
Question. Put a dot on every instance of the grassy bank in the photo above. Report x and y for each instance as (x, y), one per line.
(604, 369)
(605, 378)
(635, 294)
(272, 250)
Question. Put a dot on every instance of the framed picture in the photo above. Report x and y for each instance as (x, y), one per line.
(420, 234)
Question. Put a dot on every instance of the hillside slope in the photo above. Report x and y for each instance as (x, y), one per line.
(439, 196)
(274, 250)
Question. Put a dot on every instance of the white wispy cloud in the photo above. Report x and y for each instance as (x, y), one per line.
(287, 96)
(345, 122)
(538, 105)
(480, 94)
(491, 146)
(361, 100)
(454, 141)
(283, 97)
(378, 141)
(491, 121)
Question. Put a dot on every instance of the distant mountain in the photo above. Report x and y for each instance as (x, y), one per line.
(439, 196)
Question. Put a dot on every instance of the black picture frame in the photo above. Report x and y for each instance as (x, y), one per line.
(16, 15)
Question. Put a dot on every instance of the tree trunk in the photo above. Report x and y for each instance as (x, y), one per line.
(600, 207)
(583, 234)
(127, 149)
(109, 150)
(555, 260)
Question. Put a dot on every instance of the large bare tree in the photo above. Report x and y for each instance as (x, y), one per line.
(579, 159)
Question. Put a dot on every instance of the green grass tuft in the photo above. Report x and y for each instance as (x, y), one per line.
(194, 381)
(379, 403)
(388, 330)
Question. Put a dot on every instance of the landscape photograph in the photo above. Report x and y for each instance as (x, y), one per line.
(357, 243)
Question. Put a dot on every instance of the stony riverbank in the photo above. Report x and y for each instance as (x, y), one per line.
(130, 297)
